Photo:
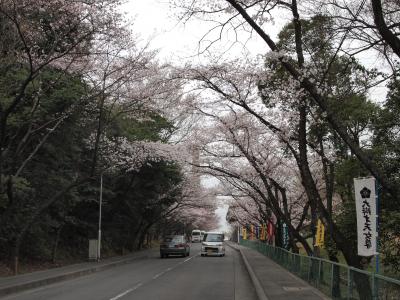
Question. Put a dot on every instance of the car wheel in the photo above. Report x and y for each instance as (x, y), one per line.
(162, 255)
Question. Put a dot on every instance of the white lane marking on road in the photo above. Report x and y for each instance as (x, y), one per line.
(187, 259)
(127, 291)
(137, 286)
(154, 277)
(170, 269)
(122, 294)
(158, 275)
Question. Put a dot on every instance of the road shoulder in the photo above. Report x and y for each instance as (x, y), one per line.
(271, 281)
(16, 284)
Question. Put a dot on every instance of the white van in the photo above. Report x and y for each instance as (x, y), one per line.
(213, 244)
(196, 236)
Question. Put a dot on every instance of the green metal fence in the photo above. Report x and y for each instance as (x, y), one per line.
(333, 279)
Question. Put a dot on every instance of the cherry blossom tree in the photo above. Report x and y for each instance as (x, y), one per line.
(370, 24)
(244, 158)
(227, 102)
(260, 119)
(255, 16)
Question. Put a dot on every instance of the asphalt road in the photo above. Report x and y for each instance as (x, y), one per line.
(173, 278)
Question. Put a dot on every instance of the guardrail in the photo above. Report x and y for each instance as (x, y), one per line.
(335, 280)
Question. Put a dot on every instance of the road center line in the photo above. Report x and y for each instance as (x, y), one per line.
(137, 286)
(154, 277)
(158, 275)
(171, 268)
(187, 259)
(122, 294)
(127, 291)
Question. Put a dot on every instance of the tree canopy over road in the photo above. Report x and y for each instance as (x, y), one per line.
(285, 133)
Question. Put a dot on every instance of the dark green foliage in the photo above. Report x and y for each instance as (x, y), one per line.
(140, 199)
(386, 151)
(153, 128)
(387, 132)
(133, 202)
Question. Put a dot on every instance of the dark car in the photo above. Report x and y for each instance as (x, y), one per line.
(174, 245)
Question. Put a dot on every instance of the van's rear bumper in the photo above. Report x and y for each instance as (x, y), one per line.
(212, 251)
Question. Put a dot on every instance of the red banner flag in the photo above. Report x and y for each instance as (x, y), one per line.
(270, 231)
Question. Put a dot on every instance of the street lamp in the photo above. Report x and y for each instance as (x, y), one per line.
(100, 204)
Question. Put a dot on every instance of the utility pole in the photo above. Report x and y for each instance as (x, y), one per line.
(100, 204)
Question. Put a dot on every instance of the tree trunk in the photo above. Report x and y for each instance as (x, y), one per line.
(17, 247)
(135, 236)
(305, 172)
(27, 226)
(278, 233)
(143, 235)
(141, 240)
(55, 246)
(389, 37)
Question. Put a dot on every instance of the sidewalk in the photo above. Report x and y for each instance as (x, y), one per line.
(14, 284)
(272, 282)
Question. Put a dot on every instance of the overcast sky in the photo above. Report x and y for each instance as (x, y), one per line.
(155, 20)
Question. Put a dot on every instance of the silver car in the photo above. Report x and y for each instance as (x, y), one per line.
(213, 244)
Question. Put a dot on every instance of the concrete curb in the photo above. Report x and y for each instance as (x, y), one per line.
(65, 276)
(254, 279)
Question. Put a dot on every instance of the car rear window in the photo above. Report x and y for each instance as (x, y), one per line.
(214, 237)
(176, 239)
(196, 233)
